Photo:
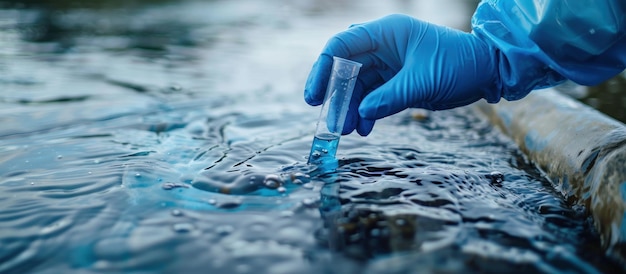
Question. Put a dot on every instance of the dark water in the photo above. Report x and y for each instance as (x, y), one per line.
(172, 137)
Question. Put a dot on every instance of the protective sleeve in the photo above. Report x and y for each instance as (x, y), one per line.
(540, 43)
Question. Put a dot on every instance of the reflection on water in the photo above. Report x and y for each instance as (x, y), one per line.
(134, 140)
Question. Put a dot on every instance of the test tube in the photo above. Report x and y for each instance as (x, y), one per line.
(334, 110)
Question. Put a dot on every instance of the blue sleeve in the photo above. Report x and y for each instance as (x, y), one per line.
(540, 43)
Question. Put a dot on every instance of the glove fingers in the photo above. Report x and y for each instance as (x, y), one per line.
(365, 126)
(352, 117)
(368, 79)
(355, 25)
(353, 41)
(315, 87)
(366, 82)
(368, 60)
(390, 98)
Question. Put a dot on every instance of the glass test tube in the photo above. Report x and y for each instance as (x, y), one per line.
(334, 110)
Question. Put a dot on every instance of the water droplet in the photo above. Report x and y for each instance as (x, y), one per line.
(96, 161)
(177, 213)
(32, 183)
(212, 201)
(325, 151)
(137, 174)
(183, 227)
(59, 157)
(89, 172)
(281, 189)
(592, 31)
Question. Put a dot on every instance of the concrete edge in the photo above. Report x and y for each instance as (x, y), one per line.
(581, 150)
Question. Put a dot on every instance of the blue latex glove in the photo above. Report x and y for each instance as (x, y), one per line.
(406, 63)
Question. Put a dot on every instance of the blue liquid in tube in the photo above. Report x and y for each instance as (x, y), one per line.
(333, 114)
(323, 149)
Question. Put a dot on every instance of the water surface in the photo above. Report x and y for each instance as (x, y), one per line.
(172, 137)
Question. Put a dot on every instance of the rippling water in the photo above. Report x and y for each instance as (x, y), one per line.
(172, 137)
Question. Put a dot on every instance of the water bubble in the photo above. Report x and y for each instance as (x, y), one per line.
(59, 157)
(299, 178)
(272, 181)
(496, 178)
(224, 230)
(183, 227)
(309, 202)
(137, 174)
(177, 213)
(96, 161)
(281, 189)
(170, 185)
(32, 183)
(212, 201)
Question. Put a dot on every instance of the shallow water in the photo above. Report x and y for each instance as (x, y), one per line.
(172, 137)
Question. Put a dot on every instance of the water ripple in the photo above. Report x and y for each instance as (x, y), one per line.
(165, 138)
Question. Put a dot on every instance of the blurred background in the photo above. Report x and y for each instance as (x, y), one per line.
(88, 38)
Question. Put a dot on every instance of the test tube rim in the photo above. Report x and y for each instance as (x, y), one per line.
(340, 59)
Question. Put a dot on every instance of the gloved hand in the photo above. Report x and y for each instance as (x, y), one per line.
(406, 63)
